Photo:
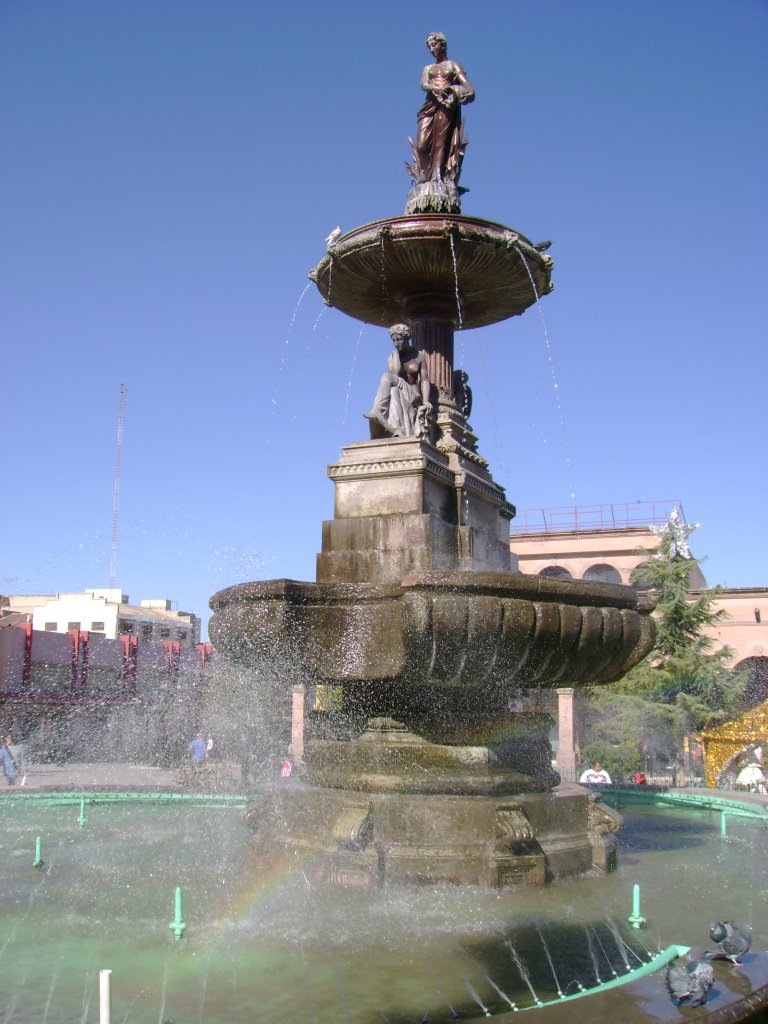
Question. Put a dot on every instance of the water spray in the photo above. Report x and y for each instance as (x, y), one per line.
(82, 819)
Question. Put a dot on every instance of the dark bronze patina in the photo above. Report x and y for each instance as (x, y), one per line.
(439, 146)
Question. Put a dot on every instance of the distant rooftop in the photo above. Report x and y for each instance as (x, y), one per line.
(628, 515)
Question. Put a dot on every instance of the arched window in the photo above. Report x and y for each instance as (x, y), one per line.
(556, 572)
(602, 573)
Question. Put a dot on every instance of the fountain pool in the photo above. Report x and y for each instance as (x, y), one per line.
(263, 944)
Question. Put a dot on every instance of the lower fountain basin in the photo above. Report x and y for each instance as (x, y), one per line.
(445, 629)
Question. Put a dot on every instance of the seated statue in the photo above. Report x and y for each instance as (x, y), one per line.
(401, 407)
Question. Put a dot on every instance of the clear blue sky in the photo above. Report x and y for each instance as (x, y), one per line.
(170, 170)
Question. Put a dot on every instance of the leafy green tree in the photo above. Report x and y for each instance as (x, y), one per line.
(683, 685)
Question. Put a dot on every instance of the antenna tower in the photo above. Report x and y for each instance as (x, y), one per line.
(116, 491)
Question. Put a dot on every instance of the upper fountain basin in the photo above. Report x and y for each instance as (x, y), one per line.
(444, 628)
(469, 271)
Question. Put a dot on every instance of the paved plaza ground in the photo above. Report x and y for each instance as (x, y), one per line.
(221, 776)
(118, 775)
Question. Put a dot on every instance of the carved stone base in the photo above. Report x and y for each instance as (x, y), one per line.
(350, 838)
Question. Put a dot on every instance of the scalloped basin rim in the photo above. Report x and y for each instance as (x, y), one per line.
(577, 592)
(429, 220)
(500, 273)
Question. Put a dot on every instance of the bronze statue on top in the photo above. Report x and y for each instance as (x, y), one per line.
(440, 143)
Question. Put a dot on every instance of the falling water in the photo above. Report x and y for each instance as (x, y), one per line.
(203, 991)
(478, 1000)
(621, 944)
(351, 375)
(593, 956)
(460, 320)
(383, 274)
(503, 994)
(163, 990)
(523, 972)
(330, 276)
(12, 934)
(555, 385)
(649, 951)
(279, 374)
(444, 996)
(551, 965)
(54, 979)
(305, 360)
(608, 960)
(86, 997)
(500, 463)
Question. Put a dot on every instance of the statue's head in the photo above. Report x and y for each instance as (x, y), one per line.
(400, 334)
(436, 42)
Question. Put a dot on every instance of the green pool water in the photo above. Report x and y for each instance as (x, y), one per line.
(263, 945)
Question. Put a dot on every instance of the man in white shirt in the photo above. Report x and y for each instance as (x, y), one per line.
(596, 776)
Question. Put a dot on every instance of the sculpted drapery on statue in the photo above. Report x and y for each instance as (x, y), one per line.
(439, 147)
(402, 407)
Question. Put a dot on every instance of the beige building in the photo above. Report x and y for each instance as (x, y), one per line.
(107, 613)
(603, 543)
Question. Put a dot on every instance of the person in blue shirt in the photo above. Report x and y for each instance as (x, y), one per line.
(199, 749)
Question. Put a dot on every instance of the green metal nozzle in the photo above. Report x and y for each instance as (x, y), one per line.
(636, 919)
(178, 925)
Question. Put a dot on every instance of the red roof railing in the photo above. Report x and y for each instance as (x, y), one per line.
(584, 518)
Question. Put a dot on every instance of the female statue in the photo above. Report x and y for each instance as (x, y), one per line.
(402, 407)
(439, 147)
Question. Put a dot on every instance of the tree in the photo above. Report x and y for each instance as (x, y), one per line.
(682, 685)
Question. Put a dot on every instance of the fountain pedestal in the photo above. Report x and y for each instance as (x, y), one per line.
(403, 506)
(368, 838)
(418, 616)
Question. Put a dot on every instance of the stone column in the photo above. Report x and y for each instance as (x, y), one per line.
(434, 337)
(297, 724)
(566, 732)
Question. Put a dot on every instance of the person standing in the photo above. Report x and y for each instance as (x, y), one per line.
(9, 763)
(596, 776)
(199, 748)
(17, 753)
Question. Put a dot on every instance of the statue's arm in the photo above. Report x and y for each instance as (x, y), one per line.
(394, 363)
(426, 78)
(462, 88)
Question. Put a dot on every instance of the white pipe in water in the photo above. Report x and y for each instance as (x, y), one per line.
(105, 997)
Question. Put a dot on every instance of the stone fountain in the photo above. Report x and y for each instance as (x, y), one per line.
(417, 612)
